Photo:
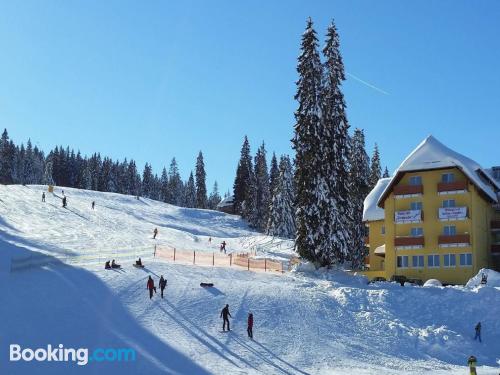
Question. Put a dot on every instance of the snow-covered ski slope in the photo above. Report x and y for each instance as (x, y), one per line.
(305, 322)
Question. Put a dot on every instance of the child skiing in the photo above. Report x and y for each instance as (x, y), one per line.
(155, 233)
(43, 197)
(225, 314)
(478, 332)
(150, 286)
(162, 284)
(250, 325)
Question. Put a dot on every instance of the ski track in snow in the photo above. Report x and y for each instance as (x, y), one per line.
(305, 323)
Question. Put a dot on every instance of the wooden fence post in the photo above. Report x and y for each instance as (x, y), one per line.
(265, 264)
(248, 268)
(194, 257)
(213, 259)
(230, 260)
(174, 254)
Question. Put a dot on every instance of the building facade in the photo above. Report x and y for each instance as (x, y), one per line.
(438, 217)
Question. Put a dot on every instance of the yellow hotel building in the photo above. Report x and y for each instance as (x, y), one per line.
(437, 217)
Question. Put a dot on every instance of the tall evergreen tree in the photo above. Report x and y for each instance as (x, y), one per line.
(214, 198)
(147, 181)
(7, 159)
(274, 173)
(47, 176)
(175, 185)
(241, 187)
(190, 193)
(282, 213)
(164, 185)
(263, 195)
(359, 189)
(386, 173)
(375, 168)
(201, 185)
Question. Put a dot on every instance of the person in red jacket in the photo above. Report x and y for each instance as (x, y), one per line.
(151, 286)
(250, 325)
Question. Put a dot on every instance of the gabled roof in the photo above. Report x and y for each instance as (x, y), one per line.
(226, 202)
(371, 212)
(432, 154)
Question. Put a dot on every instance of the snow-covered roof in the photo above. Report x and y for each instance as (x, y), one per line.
(379, 250)
(371, 211)
(226, 202)
(432, 154)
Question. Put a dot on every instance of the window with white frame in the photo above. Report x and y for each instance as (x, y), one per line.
(466, 260)
(450, 260)
(402, 261)
(433, 261)
(415, 180)
(417, 261)
(416, 206)
(447, 178)
(449, 230)
(417, 231)
(449, 203)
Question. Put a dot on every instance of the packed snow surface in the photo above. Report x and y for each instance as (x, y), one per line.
(306, 322)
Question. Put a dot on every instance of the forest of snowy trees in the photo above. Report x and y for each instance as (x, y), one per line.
(21, 164)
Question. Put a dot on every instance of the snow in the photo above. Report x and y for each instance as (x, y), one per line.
(306, 322)
(432, 154)
(226, 202)
(433, 282)
(371, 211)
(493, 279)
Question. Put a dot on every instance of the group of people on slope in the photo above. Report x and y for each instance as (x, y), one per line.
(225, 315)
(113, 264)
(150, 286)
(65, 200)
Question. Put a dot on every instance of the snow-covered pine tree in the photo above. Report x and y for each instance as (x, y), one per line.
(214, 198)
(201, 185)
(29, 165)
(175, 185)
(7, 159)
(359, 181)
(249, 205)
(386, 173)
(47, 175)
(243, 177)
(313, 240)
(281, 221)
(375, 168)
(164, 185)
(190, 192)
(274, 173)
(147, 181)
(263, 195)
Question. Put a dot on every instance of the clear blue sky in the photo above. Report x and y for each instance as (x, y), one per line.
(156, 79)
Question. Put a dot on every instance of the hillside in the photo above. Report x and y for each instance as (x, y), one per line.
(306, 322)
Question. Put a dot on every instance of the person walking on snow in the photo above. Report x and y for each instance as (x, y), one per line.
(478, 332)
(155, 233)
(64, 202)
(93, 204)
(250, 325)
(223, 247)
(162, 284)
(43, 197)
(151, 286)
(225, 314)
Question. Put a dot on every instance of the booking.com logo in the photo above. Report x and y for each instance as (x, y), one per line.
(80, 356)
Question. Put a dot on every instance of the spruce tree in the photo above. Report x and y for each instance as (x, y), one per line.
(281, 221)
(147, 181)
(47, 176)
(274, 173)
(7, 159)
(164, 185)
(214, 198)
(201, 186)
(244, 171)
(263, 189)
(190, 193)
(386, 173)
(175, 185)
(375, 168)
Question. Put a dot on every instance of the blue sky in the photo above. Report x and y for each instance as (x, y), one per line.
(157, 79)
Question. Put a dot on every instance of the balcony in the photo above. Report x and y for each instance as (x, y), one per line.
(451, 187)
(495, 249)
(495, 225)
(408, 189)
(454, 240)
(409, 241)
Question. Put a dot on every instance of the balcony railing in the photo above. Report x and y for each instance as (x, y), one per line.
(408, 189)
(451, 186)
(454, 239)
(409, 241)
(495, 225)
(495, 249)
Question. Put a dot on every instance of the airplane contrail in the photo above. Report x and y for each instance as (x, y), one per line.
(368, 84)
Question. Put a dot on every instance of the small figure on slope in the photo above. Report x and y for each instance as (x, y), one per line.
(155, 233)
(93, 204)
(223, 247)
(250, 325)
(64, 202)
(478, 332)
(115, 265)
(225, 314)
(107, 266)
(151, 287)
(162, 284)
(43, 197)
(139, 262)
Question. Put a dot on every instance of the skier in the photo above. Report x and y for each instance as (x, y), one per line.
(223, 247)
(225, 314)
(209, 240)
(162, 284)
(43, 197)
(151, 286)
(93, 204)
(478, 332)
(250, 325)
(155, 233)
(64, 202)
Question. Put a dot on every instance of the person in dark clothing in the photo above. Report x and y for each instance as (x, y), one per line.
(93, 204)
(115, 265)
(43, 197)
(223, 247)
(225, 314)
(478, 332)
(138, 262)
(107, 265)
(155, 233)
(250, 325)
(162, 284)
(64, 202)
(151, 287)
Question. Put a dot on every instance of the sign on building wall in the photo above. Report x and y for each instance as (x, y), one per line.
(452, 213)
(408, 216)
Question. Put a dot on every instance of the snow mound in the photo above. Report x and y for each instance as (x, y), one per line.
(433, 282)
(371, 211)
(493, 278)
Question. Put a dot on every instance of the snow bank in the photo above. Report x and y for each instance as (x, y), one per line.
(433, 282)
(493, 278)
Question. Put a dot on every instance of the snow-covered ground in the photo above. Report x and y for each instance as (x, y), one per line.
(306, 322)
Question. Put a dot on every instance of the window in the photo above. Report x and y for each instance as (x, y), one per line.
(466, 260)
(417, 232)
(449, 203)
(447, 178)
(450, 260)
(432, 261)
(382, 230)
(416, 206)
(402, 261)
(450, 230)
(417, 261)
(415, 180)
